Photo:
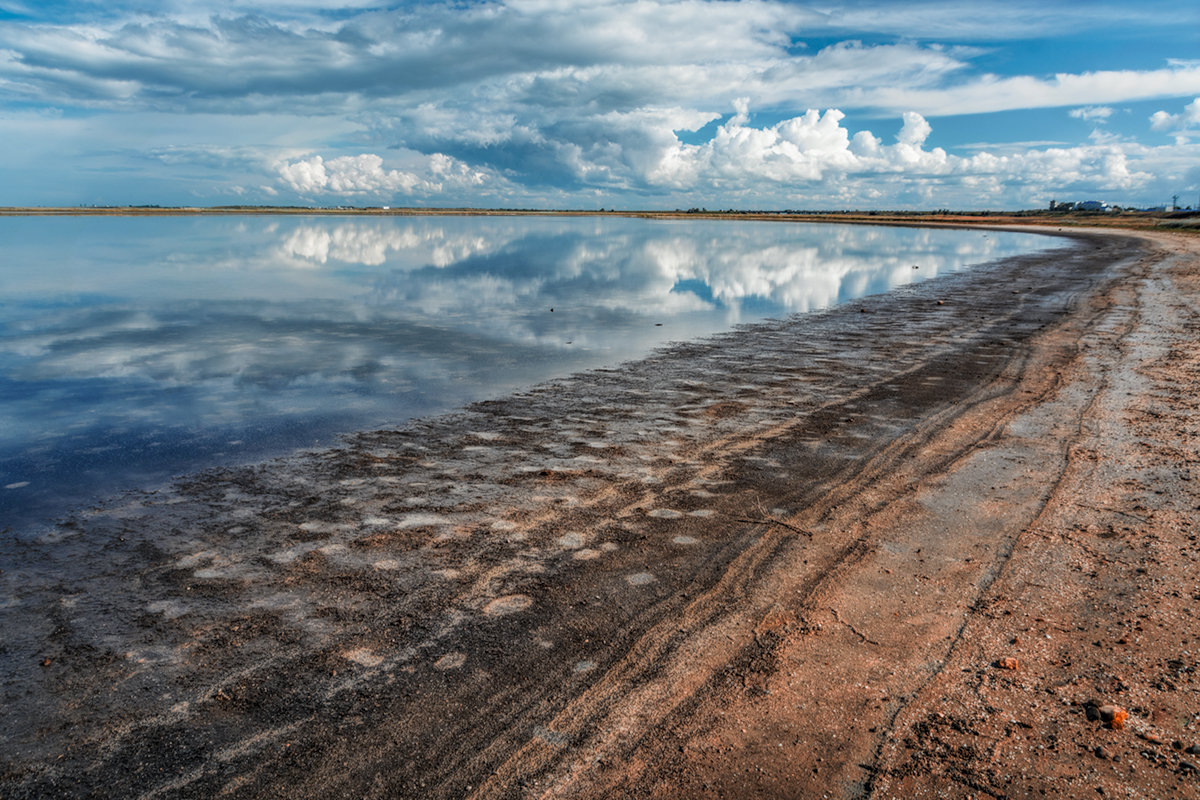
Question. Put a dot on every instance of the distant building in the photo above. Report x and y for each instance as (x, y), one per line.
(1084, 205)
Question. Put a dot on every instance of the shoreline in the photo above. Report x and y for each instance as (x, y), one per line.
(682, 576)
(1138, 220)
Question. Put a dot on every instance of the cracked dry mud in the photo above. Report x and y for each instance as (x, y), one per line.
(784, 562)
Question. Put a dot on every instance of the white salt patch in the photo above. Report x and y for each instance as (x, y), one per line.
(570, 541)
(503, 525)
(376, 521)
(608, 547)
(17, 485)
(701, 512)
(485, 435)
(702, 493)
(586, 554)
(187, 562)
(420, 520)
(509, 604)
(640, 578)
(685, 540)
(585, 666)
(450, 661)
(665, 513)
(448, 574)
(171, 609)
(311, 527)
(285, 556)
(208, 574)
(352, 481)
(387, 564)
(363, 656)
(330, 549)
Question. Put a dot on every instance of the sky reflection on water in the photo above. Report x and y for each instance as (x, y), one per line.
(136, 348)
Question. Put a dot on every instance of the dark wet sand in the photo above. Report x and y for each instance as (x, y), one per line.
(777, 563)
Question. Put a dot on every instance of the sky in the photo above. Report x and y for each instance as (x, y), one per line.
(626, 104)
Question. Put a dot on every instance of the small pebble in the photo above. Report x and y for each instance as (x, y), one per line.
(1187, 766)
(1113, 716)
(1101, 752)
(1193, 750)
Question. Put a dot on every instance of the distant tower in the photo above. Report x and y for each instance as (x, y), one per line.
(1052, 205)
(1174, 202)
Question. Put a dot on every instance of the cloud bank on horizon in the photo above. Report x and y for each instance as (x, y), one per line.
(590, 103)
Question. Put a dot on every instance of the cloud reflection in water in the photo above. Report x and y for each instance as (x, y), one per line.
(131, 349)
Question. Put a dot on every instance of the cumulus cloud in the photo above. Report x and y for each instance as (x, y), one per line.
(814, 155)
(1188, 118)
(365, 175)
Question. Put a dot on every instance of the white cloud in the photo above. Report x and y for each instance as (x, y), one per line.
(1091, 113)
(990, 93)
(814, 156)
(365, 175)
(1188, 118)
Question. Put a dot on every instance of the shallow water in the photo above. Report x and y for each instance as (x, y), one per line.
(132, 349)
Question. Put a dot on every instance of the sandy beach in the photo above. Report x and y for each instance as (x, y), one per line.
(912, 546)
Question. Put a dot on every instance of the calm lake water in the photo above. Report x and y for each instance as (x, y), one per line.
(132, 349)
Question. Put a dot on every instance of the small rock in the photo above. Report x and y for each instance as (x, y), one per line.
(1100, 752)
(1008, 662)
(1193, 750)
(1113, 716)
(1152, 738)
(1092, 712)
(45, 662)
(1187, 766)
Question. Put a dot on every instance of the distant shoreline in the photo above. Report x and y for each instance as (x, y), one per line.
(1131, 220)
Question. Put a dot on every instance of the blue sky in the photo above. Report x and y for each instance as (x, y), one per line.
(587, 104)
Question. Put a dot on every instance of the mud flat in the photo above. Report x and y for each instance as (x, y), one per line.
(903, 548)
